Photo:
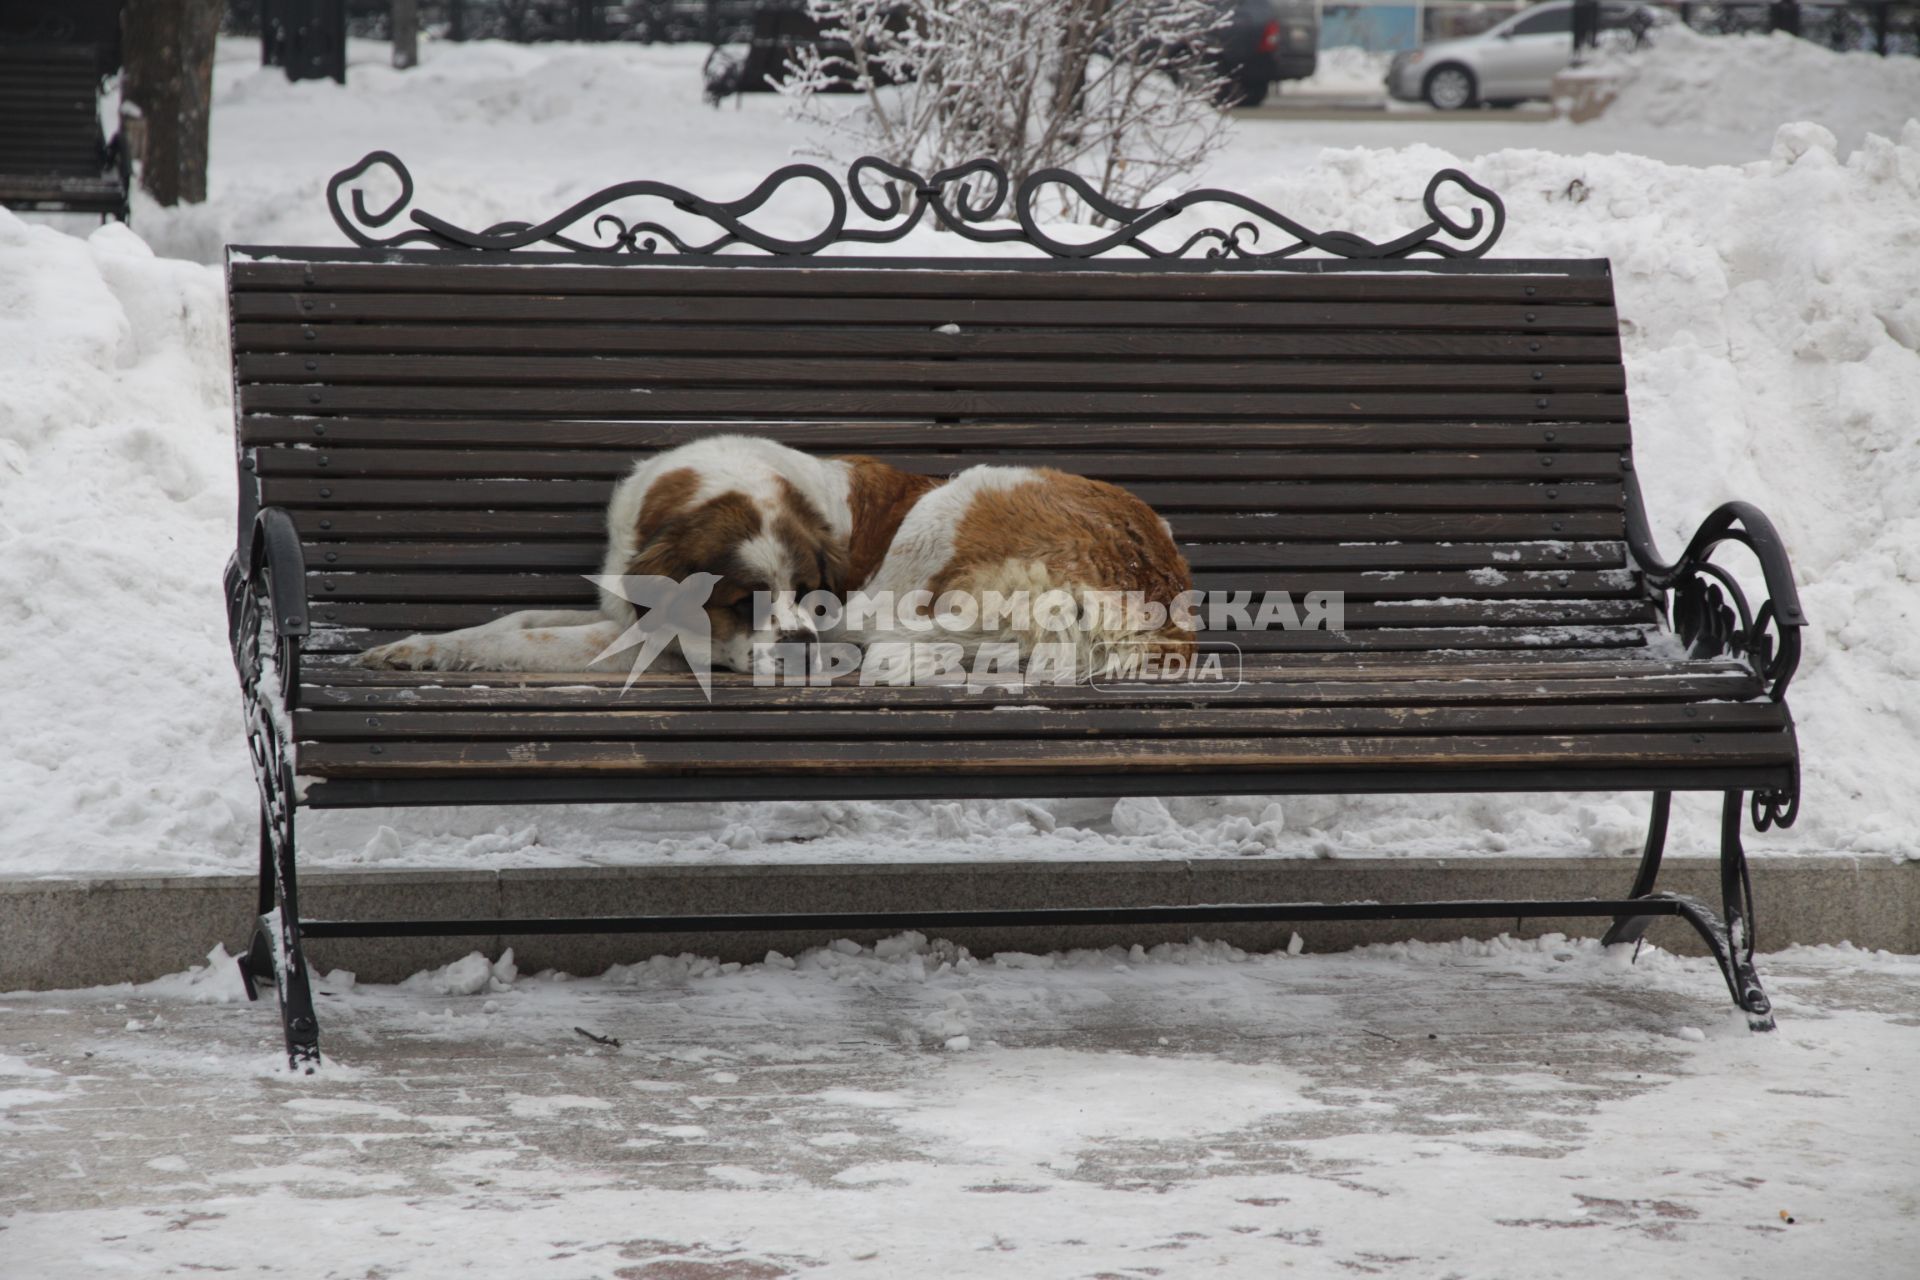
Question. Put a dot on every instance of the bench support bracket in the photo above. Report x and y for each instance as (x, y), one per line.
(1731, 939)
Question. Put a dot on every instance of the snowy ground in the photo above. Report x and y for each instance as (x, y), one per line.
(1478, 1110)
(1769, 276)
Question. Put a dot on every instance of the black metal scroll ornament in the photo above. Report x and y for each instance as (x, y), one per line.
(968, 199)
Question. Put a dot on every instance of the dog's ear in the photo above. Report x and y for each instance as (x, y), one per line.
(661, 555)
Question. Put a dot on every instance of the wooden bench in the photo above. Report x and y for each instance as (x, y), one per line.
(53, 155)
(427, 437)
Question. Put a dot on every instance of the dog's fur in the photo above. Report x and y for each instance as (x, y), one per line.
(761, 517)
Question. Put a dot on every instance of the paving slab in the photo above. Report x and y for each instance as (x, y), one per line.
(1474, 1109)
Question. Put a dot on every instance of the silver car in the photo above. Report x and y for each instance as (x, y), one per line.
(1511, 62)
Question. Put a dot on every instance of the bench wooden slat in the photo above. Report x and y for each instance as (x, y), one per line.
(563, 371)
(1262, 670)
(1136, 465)
(1732, 689)
(1335, 527)
(1585, 406)
(585, 557)
(1170, 496)
(326, 585)
(1047, 757)
(665, 279)
(434, 616)
(641, 308)
(985, 722)
(741, 341)
(339, 638)
(882, 436)
(1496, 688)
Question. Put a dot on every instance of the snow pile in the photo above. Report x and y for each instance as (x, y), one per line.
(1747, 84)
(122, 745)
(1772, 337)
(1343, 69)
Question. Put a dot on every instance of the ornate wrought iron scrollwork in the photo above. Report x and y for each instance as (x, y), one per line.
(1712, 618)
(976, 200)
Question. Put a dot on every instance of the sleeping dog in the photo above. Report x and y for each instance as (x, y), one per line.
(765, 526)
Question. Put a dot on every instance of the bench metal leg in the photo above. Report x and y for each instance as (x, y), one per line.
(275, 953)
(1729, 938)
(1630, 928)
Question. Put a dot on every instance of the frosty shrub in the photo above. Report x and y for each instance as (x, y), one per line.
(1123, 92)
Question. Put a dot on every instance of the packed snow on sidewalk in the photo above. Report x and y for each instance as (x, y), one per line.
(1502, 1110)
(1772, 331)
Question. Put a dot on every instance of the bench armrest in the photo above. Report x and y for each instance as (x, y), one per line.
(1768, 639)
(267, 603)
(276, 550)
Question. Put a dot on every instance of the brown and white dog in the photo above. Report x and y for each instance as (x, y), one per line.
(765, 520)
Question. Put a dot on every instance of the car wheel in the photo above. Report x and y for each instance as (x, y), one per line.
(1450, 88)
(1241, 91)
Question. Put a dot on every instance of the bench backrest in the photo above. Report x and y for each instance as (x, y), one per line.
(50, 110)
(1447, 446)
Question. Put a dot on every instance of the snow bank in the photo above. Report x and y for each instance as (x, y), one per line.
(1773, 350)
(122, 744)
(1343, 69)
(1747, 84)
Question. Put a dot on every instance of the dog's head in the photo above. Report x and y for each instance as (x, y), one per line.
(767, 550)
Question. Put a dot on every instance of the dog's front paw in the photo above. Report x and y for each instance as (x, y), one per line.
(415, 653)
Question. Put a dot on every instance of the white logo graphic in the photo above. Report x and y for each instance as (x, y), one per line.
(668, 611)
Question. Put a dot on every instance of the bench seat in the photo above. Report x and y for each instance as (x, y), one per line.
(1431, 723)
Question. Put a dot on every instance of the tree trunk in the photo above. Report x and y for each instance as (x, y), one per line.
(406, 34)
(168, 88)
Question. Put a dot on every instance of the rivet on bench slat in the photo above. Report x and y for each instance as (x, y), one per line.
(1551, 493)
(1692, 712)
(326, 493)
(308, 333)
(319, 428)
(1531, 346)
(1551, 435)
(1558, 525)
(328, 585)
(1531, 291)
(306, 304)
(377, 749)
(246, 464)
(1538, 404)
(323, 462)
(1546, 462)
(373, 722)
(313, 396)
(1538, 374)
(335, 555)
(328, 524)
(315, 364)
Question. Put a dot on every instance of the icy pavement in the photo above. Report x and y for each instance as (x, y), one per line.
(1482, 1110)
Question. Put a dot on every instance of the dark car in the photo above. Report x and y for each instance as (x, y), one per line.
(1266, 41)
